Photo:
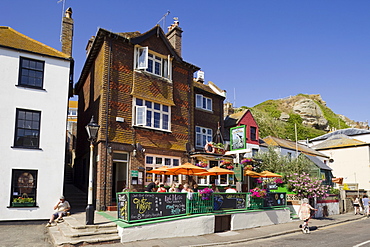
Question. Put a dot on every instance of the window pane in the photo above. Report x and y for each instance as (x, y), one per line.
(157, 70)
(175, 162)
(167, 161)
(148, 104)
(209, 104)
(139, 102)
(158, 161)
(150, 66)
(157, 106)
(165, 122)
(197, 129)
(165, 108)
(149, 159)
(148, 118)
(157, 120)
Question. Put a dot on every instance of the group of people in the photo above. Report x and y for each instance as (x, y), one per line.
(361, 203)
(157, 187)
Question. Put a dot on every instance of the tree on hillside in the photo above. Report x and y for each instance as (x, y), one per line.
(273, 161)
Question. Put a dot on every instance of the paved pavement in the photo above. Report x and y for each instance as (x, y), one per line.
(33, 233)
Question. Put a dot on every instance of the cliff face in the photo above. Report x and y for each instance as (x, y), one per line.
(308, 112)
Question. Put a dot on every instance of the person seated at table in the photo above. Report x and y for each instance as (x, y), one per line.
(214, 188)
(195, 187)
(186, 188)
(179, 188)
(230, 189)
(151, 187)
(161, 188)
(173, 188)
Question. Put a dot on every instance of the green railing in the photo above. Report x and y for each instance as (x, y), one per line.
(140, 206)
(196, 205)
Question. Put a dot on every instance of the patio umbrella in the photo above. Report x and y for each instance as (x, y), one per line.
(267, 174)
(252, 174)
(186, 169)
(163, 170)
(219, 171)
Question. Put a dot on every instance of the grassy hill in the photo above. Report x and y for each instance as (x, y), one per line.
(268, 116)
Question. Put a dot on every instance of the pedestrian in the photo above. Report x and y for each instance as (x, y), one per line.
(304, 214)
(356, 205)
(365, 202)
(61, 209)
(151, 187)
(173, 188)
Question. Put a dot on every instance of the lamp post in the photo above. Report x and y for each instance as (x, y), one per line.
(92, 131)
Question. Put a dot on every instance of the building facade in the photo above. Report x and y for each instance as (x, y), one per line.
(36, 80)
(141, 93)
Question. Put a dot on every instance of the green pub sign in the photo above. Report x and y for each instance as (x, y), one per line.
(237, 138)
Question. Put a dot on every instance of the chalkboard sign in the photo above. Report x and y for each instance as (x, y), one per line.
(224, 201)
(275, 199)
(142, 206)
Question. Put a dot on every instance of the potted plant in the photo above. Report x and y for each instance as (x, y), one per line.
(23, 202)
(206, 194)
(201, 164)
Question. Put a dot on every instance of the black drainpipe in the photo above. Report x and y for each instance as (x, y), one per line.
(107, 124)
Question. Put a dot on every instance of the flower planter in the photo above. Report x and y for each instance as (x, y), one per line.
(23, 204)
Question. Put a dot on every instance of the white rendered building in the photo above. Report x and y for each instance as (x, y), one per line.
(35, 81)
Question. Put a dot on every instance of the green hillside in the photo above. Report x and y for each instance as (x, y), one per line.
(267, 114)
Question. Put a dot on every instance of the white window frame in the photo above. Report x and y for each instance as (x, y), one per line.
(156, 165)
(143, 112)
(142, 58)
(203, 102)
(205, 135)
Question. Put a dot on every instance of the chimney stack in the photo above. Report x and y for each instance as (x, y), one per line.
(67, 32)
(174, 36)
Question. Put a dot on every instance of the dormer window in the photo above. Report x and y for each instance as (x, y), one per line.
(153, 63)
(202, 102)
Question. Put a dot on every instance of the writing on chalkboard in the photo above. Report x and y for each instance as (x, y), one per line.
(142, 206)
(229, 201)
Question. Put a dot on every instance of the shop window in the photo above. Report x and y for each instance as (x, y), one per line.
(24, 188)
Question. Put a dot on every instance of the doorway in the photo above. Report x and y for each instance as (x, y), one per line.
(120, 173)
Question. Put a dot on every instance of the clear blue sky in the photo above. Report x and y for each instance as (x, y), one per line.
(260, 49)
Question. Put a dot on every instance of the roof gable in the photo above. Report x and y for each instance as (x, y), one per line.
(339, 141)
(157, 30)
(348, 132)
(12, 39)
(239, 117)
(274, 141)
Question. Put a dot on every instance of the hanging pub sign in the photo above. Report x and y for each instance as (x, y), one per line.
(237, 138)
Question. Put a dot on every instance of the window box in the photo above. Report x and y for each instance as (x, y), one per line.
(23, 204)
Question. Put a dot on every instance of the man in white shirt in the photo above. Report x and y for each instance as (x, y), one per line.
(61, 209)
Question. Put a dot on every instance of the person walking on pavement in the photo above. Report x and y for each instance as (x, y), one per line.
(356, 205)
(365, 202)
(304, 214)
(61, 209)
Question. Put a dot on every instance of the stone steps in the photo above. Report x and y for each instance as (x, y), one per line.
(73, 232)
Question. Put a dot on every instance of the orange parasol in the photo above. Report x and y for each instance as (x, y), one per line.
(163, 170)
(186, 169)
(219, 171)
(252, 174)
(267, 174)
